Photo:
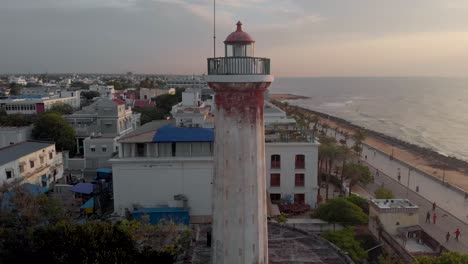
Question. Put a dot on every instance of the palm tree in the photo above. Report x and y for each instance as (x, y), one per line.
(329, 154)
(359, 136)
(357, 173)
(344, 155)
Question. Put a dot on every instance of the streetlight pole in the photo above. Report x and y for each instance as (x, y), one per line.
(407, 189)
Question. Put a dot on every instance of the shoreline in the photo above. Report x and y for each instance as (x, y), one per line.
(454, 170)
(285, 96)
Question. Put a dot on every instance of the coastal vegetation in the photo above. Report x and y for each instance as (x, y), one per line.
(445, 258)
(383, 193)
(346, 240)
(341, 210)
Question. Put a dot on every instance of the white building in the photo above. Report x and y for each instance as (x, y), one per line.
(98, 127)
(17, 80)
(105, 91)
(159, 161)
(14, 135)
(36, 104)
(156, 171)
(32, 162)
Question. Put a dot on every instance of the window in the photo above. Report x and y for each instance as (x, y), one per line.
(275, 161)
(21, 168)
(9, 174)
(41, 159)
(31, 164)
(275, 197)
(104, 148)
(299, 180)
(300, 161)
(140, 150)
(93, 148)
(299, 198)
(51, 155)
(275, 180)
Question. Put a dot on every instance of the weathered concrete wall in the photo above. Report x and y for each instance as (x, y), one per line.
(239, 200)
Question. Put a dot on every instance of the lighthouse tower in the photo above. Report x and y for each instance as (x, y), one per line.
(239, 193)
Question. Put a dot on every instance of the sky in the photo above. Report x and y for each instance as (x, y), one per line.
(302, 37)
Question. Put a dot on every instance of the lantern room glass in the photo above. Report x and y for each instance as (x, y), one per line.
(239, 50)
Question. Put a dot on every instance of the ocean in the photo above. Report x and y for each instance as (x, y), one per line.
(428, 111)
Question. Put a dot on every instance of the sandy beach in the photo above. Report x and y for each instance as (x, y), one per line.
(427, 160)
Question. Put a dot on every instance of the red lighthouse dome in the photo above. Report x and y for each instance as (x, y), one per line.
(239, 36)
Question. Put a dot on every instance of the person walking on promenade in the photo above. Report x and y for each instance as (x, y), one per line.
(399, 174)
(434, 206)
(434, 218)
(457, 234)
(428, 217)
(447, 237)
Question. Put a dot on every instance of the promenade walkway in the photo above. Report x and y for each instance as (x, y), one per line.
(405, 181)
(445, 221)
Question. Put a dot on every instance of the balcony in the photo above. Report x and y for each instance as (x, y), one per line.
(289, 136)
(238, 66)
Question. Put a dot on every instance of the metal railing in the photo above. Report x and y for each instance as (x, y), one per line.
(238, 66)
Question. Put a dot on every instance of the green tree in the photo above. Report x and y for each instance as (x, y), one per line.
(357, 173)
(359, 201)
(51, 126)
(88, 95)
(445, 258)
(150, 113)
(64, 109)
(340, 210)
(346, 240)
(328, 153)
(383, 193)
(80, 85)
(16, 120)
(15, 89)
(165, 102)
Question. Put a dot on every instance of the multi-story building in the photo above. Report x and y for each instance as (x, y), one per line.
(186, 82)
(160, 161)
(291, 167)
(105, 91)
(36, 104)
(98, 127)
(32, 162)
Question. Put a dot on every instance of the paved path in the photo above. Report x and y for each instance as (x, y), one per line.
(445, 221)
(452, 209)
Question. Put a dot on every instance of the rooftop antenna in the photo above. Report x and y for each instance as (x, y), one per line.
(214, 28)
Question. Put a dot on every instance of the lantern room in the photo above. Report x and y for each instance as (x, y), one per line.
(239, 43)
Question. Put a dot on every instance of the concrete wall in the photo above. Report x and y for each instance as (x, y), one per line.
(103, 151)
(14, 135)
(154, 182)
(288, 152)
(45, 166)
(391, 221)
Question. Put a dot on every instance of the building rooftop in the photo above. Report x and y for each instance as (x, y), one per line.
(184, 134)
(285, 245)
(393, 203)
(16, 151)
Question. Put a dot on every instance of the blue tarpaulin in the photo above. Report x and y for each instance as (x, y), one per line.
(176, 214)
(183, 134)
(83, 187)
(88, 204)
(104, 170)
(103, 173)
